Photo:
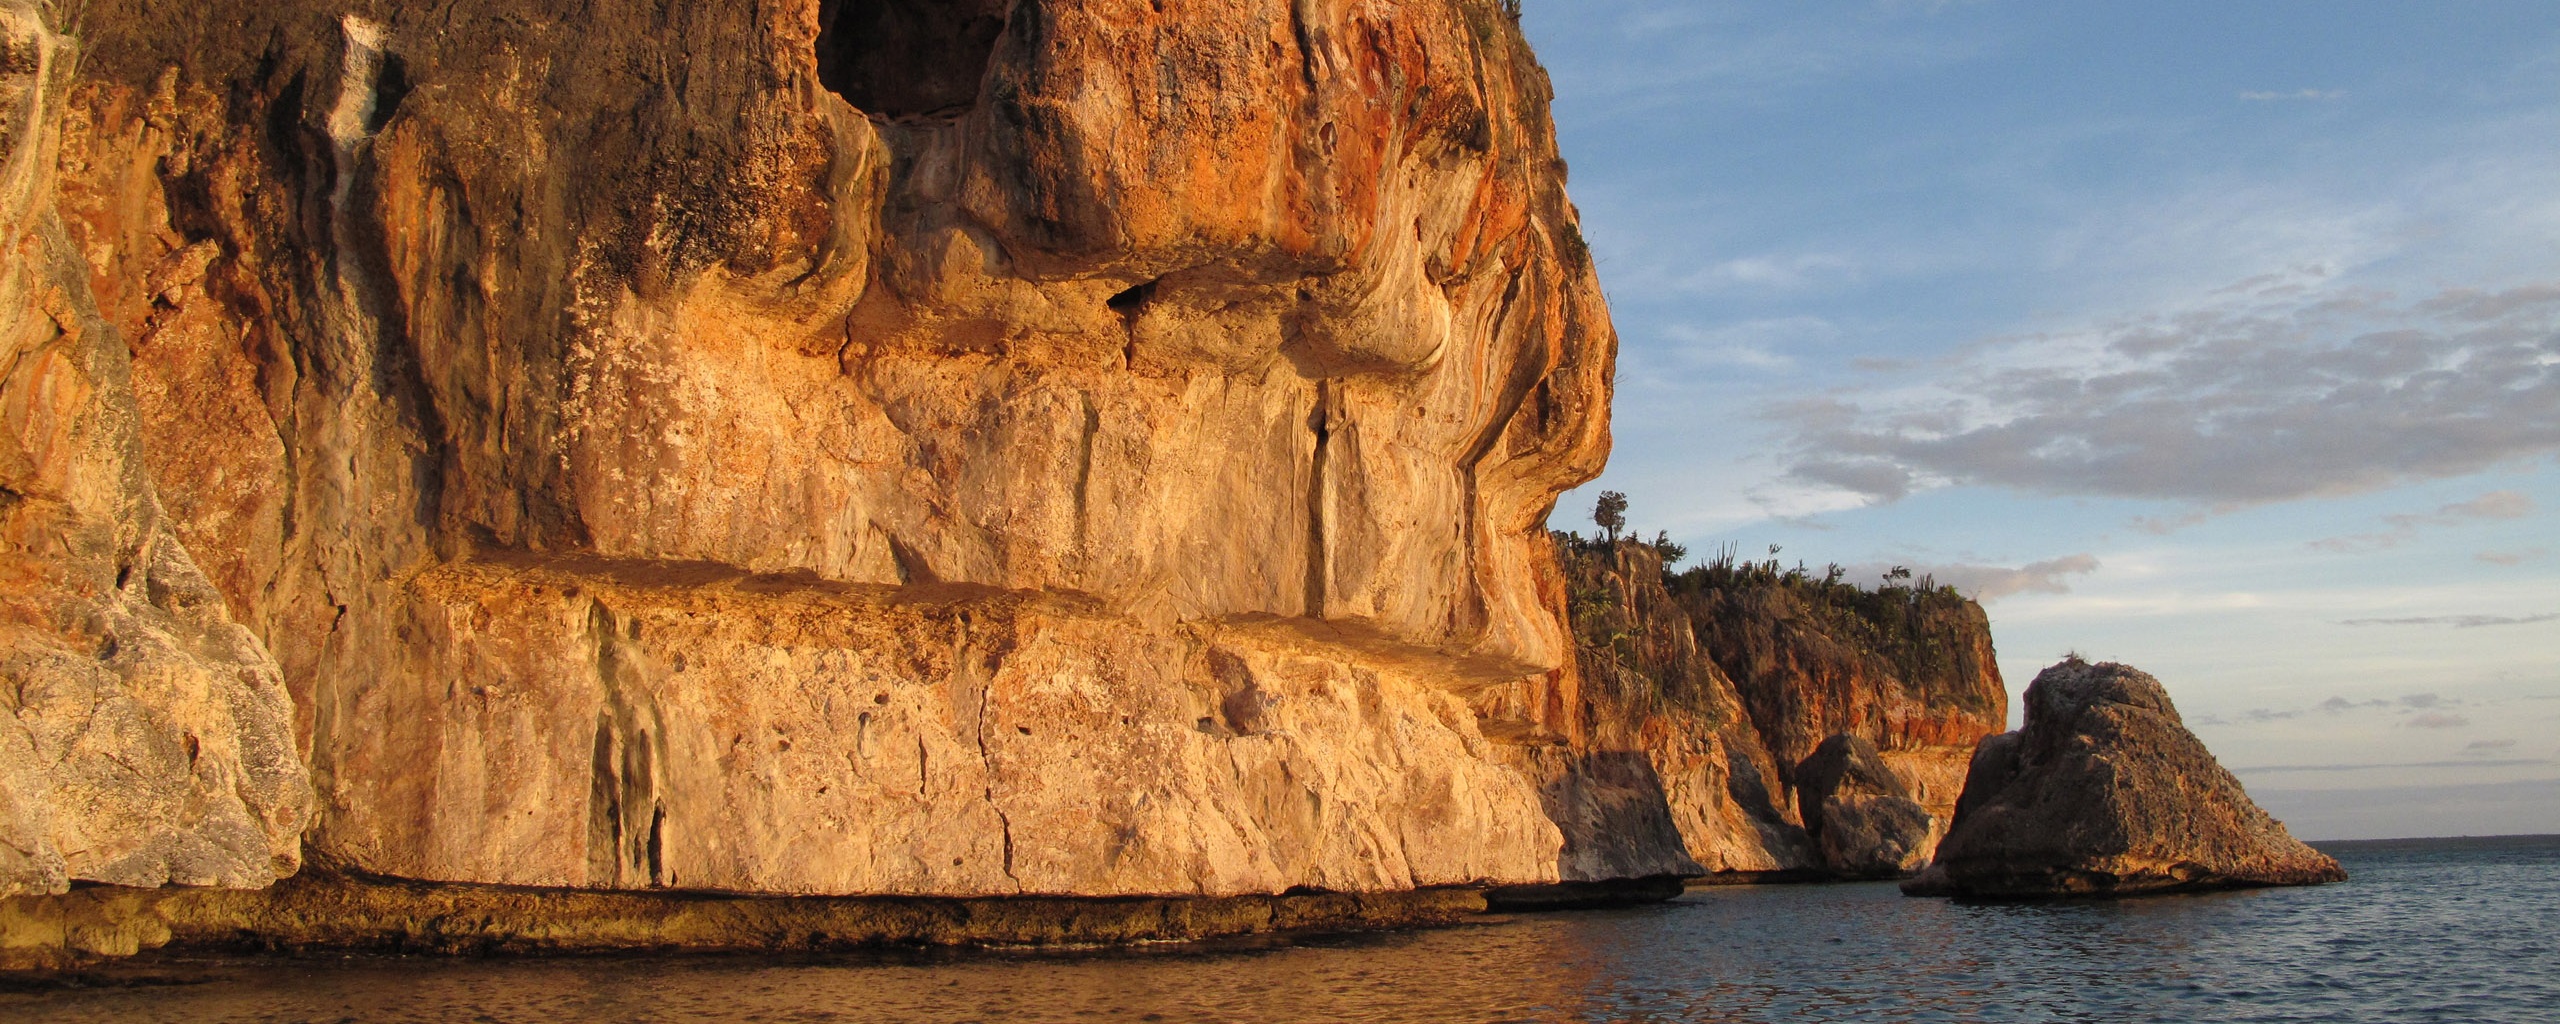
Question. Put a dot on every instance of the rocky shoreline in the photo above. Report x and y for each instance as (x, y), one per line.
(319, 912)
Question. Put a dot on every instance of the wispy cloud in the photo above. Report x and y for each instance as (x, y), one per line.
(2297, 94)
(2438, 720)
(1775, 273)
(1671, 55)
(2488, 745)
(1770, 344)
(1992, 582)
(2458, 621)
(2226, 407)
(2477, 763)
(2494, 505)
(2512, 557)
(2411, 704)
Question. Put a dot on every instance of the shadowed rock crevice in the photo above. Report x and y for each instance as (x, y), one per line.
(908, 58)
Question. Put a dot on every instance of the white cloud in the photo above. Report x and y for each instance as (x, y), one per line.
(1765, 344)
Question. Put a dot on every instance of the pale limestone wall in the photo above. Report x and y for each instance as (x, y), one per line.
(1128, 480)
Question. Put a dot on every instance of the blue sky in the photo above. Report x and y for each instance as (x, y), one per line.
(2221, 339)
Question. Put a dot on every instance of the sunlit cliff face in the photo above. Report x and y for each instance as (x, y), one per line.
(1205, 313)
(868, 446)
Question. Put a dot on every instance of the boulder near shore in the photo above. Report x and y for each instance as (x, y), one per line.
(1861, 816)
(2104, 792)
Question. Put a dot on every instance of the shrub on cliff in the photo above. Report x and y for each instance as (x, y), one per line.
(1922, 629)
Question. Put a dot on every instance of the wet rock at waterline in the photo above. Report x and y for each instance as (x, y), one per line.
(2104, 792)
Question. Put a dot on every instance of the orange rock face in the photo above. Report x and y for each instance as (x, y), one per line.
(867, 446)
(146, 737)
(1716, 691)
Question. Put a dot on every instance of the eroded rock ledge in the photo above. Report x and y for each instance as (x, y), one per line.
(321, 912)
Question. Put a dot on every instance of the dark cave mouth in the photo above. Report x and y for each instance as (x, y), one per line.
(901, 59)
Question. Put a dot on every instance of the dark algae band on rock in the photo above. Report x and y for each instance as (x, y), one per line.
(2104, 792)
(321, 911)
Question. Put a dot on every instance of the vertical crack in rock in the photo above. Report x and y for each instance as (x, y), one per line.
(1313, 65)
(1321, 422)
(1131, 303)
(966, 672)
(1528, 371)
(1084, 475)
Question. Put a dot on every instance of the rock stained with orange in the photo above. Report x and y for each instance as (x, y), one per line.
(1066, 446)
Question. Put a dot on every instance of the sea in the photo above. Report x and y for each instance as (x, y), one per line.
(2426, 930)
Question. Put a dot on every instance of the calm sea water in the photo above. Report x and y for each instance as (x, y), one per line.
(2428, 930)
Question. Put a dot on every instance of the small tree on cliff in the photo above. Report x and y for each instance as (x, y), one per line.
(1611, 513)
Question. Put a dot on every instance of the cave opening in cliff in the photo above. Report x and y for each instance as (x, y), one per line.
(908, 58)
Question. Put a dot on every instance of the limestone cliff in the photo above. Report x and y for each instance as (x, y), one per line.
(146, 738)
(961, 449)
(1726, 680)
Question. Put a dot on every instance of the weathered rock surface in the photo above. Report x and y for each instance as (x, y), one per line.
(147, 736)
(851, 448)
(807, 447)
(1908, 668)
(1902, 673)
(2104, 792)
(1683, 759)
(1862, 818)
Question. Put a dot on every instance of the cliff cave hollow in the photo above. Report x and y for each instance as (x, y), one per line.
(907, 58)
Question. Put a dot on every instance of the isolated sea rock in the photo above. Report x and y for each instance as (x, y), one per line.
(1861, 816)
(145, 737)
(1073, 447)
(2104, 792)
